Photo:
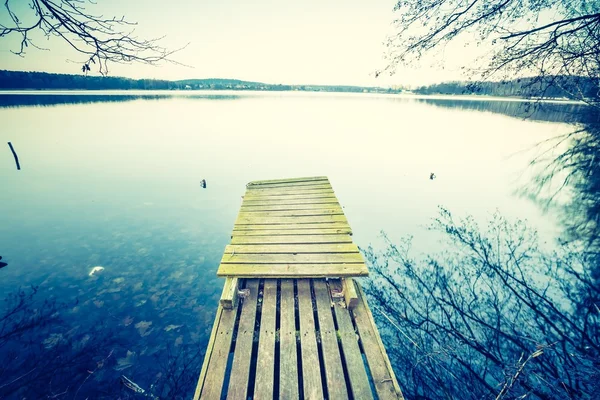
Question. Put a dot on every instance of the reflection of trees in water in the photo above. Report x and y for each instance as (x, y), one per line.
(41, 356)
(493, 317)
(43, 100)
(536, 111)
(576, 169)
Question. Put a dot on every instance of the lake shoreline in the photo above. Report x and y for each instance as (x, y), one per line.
(276, 93)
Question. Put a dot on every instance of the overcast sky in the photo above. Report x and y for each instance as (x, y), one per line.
(274, 41)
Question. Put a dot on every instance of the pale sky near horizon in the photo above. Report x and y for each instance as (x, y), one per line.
(274, 41)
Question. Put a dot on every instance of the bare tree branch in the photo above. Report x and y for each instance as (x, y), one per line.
(101, 40)
(522, 38)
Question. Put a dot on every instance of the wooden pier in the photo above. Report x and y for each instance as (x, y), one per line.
(291, 323)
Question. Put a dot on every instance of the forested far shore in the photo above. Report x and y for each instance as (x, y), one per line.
(556, 87)
(19, 80)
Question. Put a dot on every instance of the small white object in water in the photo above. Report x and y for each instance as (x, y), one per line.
(96, 269)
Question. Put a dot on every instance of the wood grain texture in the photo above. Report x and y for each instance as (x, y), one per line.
(215, 372)
(317, 194)
(240, 370)
(287, 207)
(350, 295)
(382, 373)
(265, 373)
(292, 270)
(314, 211)
(311, 369)
(289, 180)
(334, 372)
(280, 201)
(207, 355)
(334, 229)
(287, 189)
(326, 238)
(357, 373)
(239, 229)
(321, 258)
(249, 219)
(288, 184)
(230, 291)
(304, 248)
(336, 210)
(288, 357)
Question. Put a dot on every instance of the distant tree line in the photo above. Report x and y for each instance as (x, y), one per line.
(18, 80)
(570, 87)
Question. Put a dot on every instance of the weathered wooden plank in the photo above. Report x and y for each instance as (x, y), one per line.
(310, 192)
(311, 369)
(377, 358)
(357, 374)
(288, 196)
(207, 355)
(334, 372)
(350, 295)
(290, 239)
(240, 370)
(265, 371)
(290, 201)
(305, 248)
(288, 362)
(333, 230)
(289, 184)
(257, 220)
(292, 270)
(315, 226)
(289, 207)
(323, 258)
(337, 210)
(230, 291)
(288, 180)
(261, 190)
(215, 372)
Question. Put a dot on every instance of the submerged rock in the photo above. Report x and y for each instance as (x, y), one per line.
(172, 327)
(143, 328)
(126, 362)
(52, 340)
(96, 270)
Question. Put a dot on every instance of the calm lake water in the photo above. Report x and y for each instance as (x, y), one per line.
(113, 180)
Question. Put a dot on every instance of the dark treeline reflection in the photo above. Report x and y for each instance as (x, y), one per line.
(571, 163)
(495, 316)
(551, 112)
(42, 100)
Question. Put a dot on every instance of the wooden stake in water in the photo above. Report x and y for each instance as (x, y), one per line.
(14, 155)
